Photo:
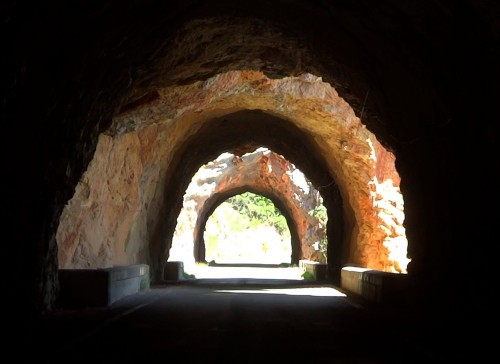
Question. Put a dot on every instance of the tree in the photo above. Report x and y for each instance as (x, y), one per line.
(260, 210)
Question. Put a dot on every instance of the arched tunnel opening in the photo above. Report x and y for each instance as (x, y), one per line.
(305, 119)
(101, 101)
(294, 243)
(231, 132)
(227, 197)
(149, 196)
(255, 234)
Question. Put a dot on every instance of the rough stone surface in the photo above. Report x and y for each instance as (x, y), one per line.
(420, 75)
(102, 225)
(249, 170)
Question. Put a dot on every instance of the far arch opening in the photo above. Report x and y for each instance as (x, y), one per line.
(293, 203)
(255, 128)
(247, 240)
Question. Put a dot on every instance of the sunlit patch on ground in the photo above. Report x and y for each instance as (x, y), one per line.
(201, 271)
(299, 291)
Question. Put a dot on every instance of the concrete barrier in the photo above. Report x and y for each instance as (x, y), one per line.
(318, 270)
(173, 271)
(377, 286)
(100, 287)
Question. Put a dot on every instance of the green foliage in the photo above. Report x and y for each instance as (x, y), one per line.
(260, 210)
(307, 275)
(247, 227)
(320, 213)
(188, 275)
(222, 225)
(211, 242)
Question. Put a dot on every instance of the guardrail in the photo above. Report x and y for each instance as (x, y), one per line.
(100, 287)
(374, 285)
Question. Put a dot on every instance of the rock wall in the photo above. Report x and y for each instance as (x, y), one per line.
(116, 214)
(260, 170)
(404, 67)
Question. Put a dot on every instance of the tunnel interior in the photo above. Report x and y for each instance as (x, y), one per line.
(401, 75)
(134, 186)
(230, 132)
(251, 217)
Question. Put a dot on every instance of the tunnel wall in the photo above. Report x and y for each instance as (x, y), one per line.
(426, 85)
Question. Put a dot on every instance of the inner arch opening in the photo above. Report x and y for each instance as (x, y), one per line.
(126, 206)
(270, 191)
(247, 228)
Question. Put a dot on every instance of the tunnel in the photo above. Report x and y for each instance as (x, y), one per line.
(217, 199)
(101, 96)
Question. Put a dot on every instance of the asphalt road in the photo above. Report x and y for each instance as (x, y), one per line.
(232, 320)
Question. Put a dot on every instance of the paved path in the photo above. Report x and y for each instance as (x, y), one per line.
(201, 272)
(236, 320)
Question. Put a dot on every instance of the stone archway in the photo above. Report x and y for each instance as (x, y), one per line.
(253, 169)
(217, 198)
(126, 205)
(416, 90)
(231, 132)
